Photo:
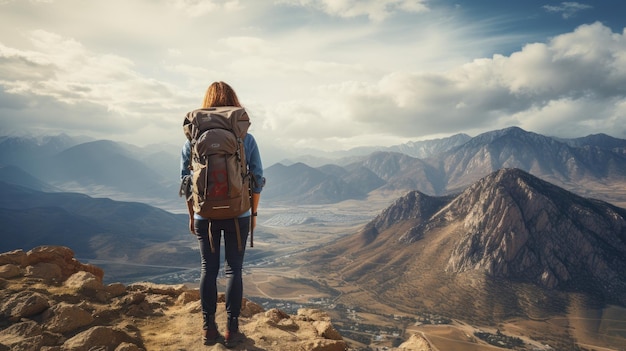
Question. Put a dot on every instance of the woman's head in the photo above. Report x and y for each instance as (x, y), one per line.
(220, 94)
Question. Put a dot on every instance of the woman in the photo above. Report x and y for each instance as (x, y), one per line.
(221, 94)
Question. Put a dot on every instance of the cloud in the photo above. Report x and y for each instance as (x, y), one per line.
(375, 10)
(567, 9)
(198, 8)
(319, 82)
(575, 83)
(68, 87)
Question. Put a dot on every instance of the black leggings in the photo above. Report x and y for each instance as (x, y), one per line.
(211, 263)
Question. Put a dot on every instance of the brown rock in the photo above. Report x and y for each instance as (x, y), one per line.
(62, 318)
(49, 272)
(9, 271)
(249, 308)
(281, 320)
(49, 254)
(326, 330)
(323, 345)
(115, 289)
(20, 331)
(310, 314)
(188, 296)
(275, 315)
(32, 343)
(62, 257)
(24, 304)
(125, 346)
(132, 299)
(82, 281)
(99, 337)
(161, 289)
(16, 257)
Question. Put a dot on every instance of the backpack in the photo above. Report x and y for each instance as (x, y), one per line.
(220, 179)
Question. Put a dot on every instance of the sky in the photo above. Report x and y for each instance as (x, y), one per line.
(314, 74)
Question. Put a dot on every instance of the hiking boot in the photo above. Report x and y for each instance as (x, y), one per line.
(233, 338)
(211, 335)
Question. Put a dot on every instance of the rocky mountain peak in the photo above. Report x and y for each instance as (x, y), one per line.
(415, 207)
(509, 225)
(518, 226)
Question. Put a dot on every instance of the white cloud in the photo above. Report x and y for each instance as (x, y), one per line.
(308, 80)
(375, 10)
(71, 88)
(572, 69)
(567, 9)
(198, 8)
(246, 45)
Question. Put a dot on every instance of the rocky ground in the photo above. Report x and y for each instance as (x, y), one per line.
(50, 301)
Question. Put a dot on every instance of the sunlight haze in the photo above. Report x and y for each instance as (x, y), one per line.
(314, 74)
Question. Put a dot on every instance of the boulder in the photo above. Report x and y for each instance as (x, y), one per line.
(64, 258)
(24, 304)
(83, 281)
(9, 271)
(49, 272)
(19, 331)
(115, 289)
(63, 318)
(99, 337)
(326, 330)
(16, 257)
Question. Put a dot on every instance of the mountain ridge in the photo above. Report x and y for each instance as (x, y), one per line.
(95, 227)
(591, 166)
(586, 169)
(477, 243)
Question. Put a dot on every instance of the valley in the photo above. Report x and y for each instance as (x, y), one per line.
(369, 319)
(370, 243)
(279, 274)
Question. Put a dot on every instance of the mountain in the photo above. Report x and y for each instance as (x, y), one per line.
(28, 153)
(14, 175)
(601, 141)
(509, 245)
(105, 163)
(429, 148)
(531, 230)
(299, 183)
(93, 227)
(539, 155)
(590, 166)
(416, 149)
(99, 168)
(403, 172)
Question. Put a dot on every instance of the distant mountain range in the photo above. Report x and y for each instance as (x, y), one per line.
(592, 166)
(516, 244)
(95, 228)
(99, 168)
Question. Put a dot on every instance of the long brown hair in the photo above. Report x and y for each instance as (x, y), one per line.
(220, 94)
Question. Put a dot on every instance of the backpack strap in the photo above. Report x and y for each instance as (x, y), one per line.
(251, 232)
(238, 233)
(211, 238)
